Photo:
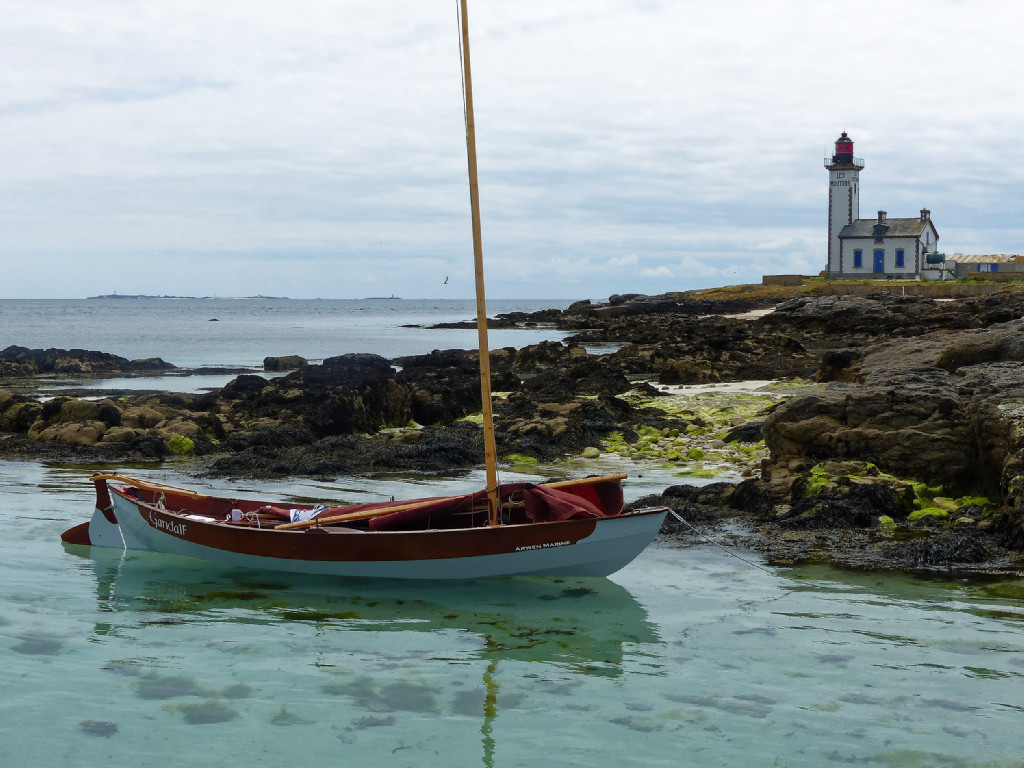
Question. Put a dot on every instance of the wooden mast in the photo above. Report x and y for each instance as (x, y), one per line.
(490, 452)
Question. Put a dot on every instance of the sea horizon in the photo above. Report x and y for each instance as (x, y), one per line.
(219, 332)
(154, 297)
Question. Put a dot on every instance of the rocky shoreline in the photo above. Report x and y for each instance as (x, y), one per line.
(894, 442)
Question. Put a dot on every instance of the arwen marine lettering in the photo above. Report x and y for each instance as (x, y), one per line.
(543, 546)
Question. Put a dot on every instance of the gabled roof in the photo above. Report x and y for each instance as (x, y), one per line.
(893, 227)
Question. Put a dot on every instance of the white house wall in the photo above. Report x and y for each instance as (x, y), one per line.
(931, 238)
(913, 255)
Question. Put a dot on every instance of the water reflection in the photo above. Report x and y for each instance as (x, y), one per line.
(580, 626)
(578, 622)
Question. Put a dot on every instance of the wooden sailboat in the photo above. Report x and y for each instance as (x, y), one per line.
(576, 527)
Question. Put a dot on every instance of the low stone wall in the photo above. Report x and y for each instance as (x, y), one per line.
(908, 288)
(1012, 273)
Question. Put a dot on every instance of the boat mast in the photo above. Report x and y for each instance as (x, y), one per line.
(490, 453)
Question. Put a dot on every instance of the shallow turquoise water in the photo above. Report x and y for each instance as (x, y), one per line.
(686, 657)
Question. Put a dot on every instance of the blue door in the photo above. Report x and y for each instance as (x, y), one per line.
(879, 261)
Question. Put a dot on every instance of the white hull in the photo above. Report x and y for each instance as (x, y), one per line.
(103, 533)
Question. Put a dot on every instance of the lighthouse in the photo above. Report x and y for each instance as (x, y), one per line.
(843, 197)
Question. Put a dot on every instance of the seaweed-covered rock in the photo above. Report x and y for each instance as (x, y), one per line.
(444, 385)
(284, 363)
(21, 361)
(441, 451)
(848, 505)
(952, 547)
(349, 393)
(748, 432)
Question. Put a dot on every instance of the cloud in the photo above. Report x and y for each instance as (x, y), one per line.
(623, 146)
(661, 271)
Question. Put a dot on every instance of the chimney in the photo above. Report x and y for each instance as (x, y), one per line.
(881, 216)
(925, 214)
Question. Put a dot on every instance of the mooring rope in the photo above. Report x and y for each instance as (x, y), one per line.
(708, 539)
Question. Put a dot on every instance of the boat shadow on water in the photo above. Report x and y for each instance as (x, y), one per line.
(577, 622)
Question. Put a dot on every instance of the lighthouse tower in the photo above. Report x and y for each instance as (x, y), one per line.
(843, 196)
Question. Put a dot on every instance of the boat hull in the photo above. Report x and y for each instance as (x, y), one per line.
(578, 547)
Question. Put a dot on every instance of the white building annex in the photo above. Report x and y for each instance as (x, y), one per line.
(870, 248)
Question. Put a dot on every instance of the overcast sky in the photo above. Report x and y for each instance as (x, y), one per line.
(315, 148)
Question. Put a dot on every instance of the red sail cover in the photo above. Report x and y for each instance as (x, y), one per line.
(541, 502)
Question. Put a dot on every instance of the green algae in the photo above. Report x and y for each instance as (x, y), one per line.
(818, 480)
(927, 501)
(156, 686)
(692, 447)
(641, 725)
(913, 758)
(409, 697)
(934, 512)
(976, 501)
(705, 474)
(401, 695)
(207, 712)
(519, 459)
(369, 721)
(238, 691)
(925, 493)
(102, 728)
(1004, 591)
(39, 645)
(284, 717)
(181, 445)
(319, 617)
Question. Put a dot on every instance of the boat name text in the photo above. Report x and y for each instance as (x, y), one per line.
(543, 546)
(178, 529)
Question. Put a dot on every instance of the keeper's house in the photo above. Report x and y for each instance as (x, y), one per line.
(871, 248)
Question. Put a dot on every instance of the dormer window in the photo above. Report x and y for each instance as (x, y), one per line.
(879, 234)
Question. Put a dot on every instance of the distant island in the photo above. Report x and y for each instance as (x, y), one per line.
(383, 298)
(144, 296)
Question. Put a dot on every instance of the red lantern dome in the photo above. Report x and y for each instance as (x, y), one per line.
(844, 150)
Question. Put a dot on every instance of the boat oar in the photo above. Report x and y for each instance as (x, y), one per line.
(366, 514)
(585, 481)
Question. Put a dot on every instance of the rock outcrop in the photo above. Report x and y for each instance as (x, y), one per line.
(943, 408)
(20, 361)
